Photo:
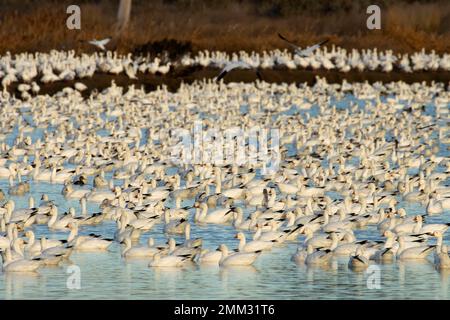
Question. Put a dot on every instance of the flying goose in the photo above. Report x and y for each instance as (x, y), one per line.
(237, 65)
(100, 43)
(305, 52)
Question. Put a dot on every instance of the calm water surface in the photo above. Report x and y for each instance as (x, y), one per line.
(274, 275)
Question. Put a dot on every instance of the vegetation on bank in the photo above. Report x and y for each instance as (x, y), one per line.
(40, 25)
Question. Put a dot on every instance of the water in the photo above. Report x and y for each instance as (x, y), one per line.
(274, 275)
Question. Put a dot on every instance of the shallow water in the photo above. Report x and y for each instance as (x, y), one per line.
(274, 275)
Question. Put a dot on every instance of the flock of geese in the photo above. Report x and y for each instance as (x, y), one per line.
(31, 69)
(342, 169)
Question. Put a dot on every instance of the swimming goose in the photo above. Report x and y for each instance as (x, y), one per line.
(219, 216)
(318, 256)
(182, 250)
(19, 265)
(359, 260)
(53, 247)
(139, 252)
(208, 257)
(238, 258)
(300, 255)
(409, 227)
(71, 193)
(100, 181)
(253, 246)
(174, 226)
(25, 216)
(124, 230)
(170, 260)
(91, 243)
(413, 253)
(348, 249)
(188, 242)
(63, 222)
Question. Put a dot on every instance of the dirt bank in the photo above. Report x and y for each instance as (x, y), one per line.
(188, 75)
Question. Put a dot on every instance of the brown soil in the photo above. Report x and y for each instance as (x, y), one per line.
(188, 75)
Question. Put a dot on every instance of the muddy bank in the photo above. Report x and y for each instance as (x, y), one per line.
(188, 75)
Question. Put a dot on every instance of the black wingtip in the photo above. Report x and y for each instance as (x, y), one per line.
(221, 75)
(258, 74)
(282, 37)
(323, 42)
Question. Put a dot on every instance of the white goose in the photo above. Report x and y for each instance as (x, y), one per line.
(253, 246)
(209, 257)
(19, 265)
(219, 216)
(358, 261)
(413, 253)
(238, 258)
(139, 252)
(91, 243)
(169, 261)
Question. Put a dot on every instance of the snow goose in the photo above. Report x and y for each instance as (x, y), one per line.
(209, 257)
(170, 261)
(238, 258)
(188, 242)
(409, 227)
(358, 261)
(303, 52)
(19, 265)
(253, 246)
(91, 242)
(234, 65)
(174, 226)
(124, 230)
(5, 240)
(413, 253)
(19, 215)
(434, 227)
(139, 252)
(348, 249)
(53, 247)
(317, 257)
(182, 250)
(60, 224)
(71, 193)
(219, 216)
(240, 224)
(100, 44)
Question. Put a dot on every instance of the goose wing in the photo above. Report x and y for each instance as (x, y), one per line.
(293, 45)
(104, 42)
(309, 50)
(234, 65)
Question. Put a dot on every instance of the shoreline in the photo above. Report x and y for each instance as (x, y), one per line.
(188, 75)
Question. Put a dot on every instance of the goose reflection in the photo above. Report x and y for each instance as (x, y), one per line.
(17, 284)
(444, 275)
(237, 274)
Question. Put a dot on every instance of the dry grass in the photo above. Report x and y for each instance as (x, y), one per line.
(229, 25)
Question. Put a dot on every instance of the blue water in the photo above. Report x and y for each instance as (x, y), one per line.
(274, 275)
